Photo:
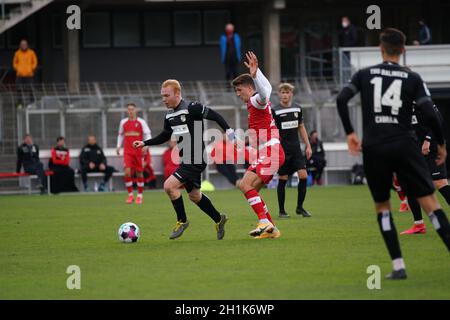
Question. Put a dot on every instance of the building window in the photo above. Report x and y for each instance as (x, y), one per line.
(188, 28)
(24, 30)
(96, 30)
(157, 29)
(126, 30)
(57, 31)
(214, 25)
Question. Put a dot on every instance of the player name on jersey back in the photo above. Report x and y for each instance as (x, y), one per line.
(389, 73)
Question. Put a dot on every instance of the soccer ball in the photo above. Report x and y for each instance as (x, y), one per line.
(129, 232)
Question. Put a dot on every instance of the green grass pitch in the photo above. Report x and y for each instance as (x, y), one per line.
(323, 257)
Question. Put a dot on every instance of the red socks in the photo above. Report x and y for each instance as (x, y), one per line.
(129, 184)
(258, 205)
(140, 185)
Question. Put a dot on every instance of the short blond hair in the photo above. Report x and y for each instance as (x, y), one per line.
(286, 86)
(175, 84)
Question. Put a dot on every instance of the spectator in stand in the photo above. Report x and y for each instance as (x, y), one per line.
(317, 162)
(149, 173)
(28, 157)
(224, 154)
(171, 159)
(424, 33)
(63, 178)
(230, 51)
(348, 36)
(92, 159)
(25, 63)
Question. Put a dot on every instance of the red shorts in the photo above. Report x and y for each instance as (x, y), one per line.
(270, 159)
(133, 161)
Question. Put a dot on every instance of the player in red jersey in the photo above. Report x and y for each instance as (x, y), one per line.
(132, 129)
(254, 89)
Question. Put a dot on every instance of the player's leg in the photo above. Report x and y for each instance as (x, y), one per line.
(140, 186)
(443, 188)
(281, 194)
(418, 226)
(378, 172)
(389, 233)
(415, 175)
(258, 185)
(128, 184)
(401, 195)
(439, 176)
(139, 168)
(172, 187)
(283, 176)
(437, 216)
(205, 204)
(250, 184)
(301, 192)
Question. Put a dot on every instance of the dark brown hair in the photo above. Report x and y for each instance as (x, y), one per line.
(244, 79)
(393, 41)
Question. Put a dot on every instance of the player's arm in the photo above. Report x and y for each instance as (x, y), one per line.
(305, 139)
(262, 85)
(346, 94)
(164, 136)
(147, 134)
(120, 138)
(432, 118)
(200, 111)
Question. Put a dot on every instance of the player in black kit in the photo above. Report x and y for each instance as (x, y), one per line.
(288, 117)
(389, 145)
(184, 120)
(428, 145)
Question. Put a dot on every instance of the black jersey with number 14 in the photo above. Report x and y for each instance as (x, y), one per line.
(388, 91)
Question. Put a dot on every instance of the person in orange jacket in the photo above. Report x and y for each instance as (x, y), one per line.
(25, 63)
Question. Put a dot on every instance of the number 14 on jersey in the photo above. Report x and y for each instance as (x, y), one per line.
(390, 98)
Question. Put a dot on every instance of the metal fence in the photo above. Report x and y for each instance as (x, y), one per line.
(49, 110)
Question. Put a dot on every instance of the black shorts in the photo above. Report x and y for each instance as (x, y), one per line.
(437, 172)
(190, 175)
(294, 161)
(402, 157)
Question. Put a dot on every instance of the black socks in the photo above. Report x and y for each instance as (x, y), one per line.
(178, 205)
(389, 233)
(415, 209)
(207, 207)
(442, 226)
(445, 191)
(281, 193)
(301, 192)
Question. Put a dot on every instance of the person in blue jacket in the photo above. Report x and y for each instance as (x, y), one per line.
(230, 51)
